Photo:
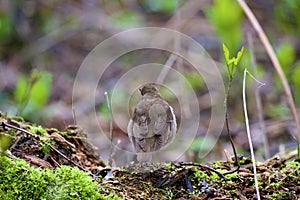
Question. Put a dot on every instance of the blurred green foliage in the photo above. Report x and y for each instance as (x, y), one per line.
(5, 142)
(277, 110)
(226, 16)
(194, 79)
(103, 110)
(295, 77)
(6, 26)
(127, 19)
(202, 144)
(32, 93)
(287, 15)
(287, 55)
(166, 6)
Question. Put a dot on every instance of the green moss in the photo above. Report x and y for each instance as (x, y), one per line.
(20, 181)
(232, 176)
(17, 118)
(216, 164)
(293, 164)
(282, 195)
(36, 129)
(200, 175)
(245, 160)
(169, 166)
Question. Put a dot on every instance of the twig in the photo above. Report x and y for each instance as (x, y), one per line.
(204, 166)
(110, 161)
(248, 133)
(274, 60)
(162, 75)
(258, 100)
(18, 128)
(68, 159)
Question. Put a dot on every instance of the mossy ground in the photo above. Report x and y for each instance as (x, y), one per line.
(50, 164)
(21, 181)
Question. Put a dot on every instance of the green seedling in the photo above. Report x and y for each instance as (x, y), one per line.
(232, 64)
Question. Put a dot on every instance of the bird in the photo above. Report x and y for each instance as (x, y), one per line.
(153, 123)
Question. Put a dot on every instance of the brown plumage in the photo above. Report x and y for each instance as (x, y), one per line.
(153, 124)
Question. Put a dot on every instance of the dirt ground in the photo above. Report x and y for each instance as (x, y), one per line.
(278, 177)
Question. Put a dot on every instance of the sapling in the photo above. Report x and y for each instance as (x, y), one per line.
(231, 64)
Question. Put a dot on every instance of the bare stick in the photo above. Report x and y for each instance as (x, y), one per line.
(162, 75)
(172, 58)
(110, 161)
(261, 121)
(66, 157)
(248, 134)
(18, 128)
(74, 116)
(274, 60)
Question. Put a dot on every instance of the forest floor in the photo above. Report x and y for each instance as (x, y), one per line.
(278, 178)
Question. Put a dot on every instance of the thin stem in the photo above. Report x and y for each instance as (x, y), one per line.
(248, 134)
(110, 162)
(228, 129)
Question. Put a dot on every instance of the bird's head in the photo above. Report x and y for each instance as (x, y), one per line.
(149, 88)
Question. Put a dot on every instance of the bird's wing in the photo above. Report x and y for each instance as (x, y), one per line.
(173, 124)
(158, 116)
(140, 130)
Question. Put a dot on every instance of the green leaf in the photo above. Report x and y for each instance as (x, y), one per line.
(226, 16)
(20, 89)
(226, 53)
(232, 63)
(239, 56)
(41, 89)
(286, 55)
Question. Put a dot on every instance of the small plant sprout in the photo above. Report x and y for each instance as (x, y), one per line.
(232, 64)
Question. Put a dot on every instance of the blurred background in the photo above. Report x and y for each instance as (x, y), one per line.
(43, 44)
